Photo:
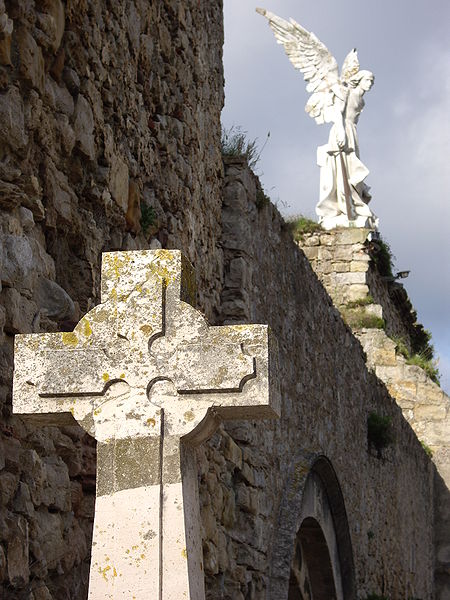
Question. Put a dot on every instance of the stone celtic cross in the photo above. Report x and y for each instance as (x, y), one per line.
(145, 374)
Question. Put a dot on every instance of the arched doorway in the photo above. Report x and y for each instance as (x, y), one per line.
(312, 575)
(313, 559)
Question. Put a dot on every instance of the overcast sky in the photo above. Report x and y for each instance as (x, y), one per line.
(404, 131)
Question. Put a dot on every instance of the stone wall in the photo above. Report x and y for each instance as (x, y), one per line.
(109, 115)
(252, 478)
(110, 139)
(425, 406)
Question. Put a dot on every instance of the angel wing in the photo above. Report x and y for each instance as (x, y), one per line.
(350, 66)
(309, 55)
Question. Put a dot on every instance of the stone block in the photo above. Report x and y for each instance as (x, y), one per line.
(359, 266)
(350, 278)
(8, 485)
(248, 473)
(22, 503)
(351, 236)
(312, 252)
(61, 197)
(26, 218)
(324, 253)
(41, 592)
(119, 182)
(326, 239)
(310, 240)
(20, 312)
(356, 292)
(11, 195)
(133, 214)
(17, 554)
(48, 529)
(12, 120)
(3, 571)
(83, 127)
(31, 59)
(53, 301)
(18, 261)
(51, 21)
(424, 412)
(56, 489)
(6, 29)
(229, 508)
(431, 393)
(340, 267)
(232, 452)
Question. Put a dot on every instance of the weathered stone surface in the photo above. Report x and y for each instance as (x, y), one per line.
(21, 313)
(31, 59)
(12, 124)
(154, 86)
(144, 474)
(119, 182)
(53, 301)
(17, 554)
(264, 278)
(84, 127)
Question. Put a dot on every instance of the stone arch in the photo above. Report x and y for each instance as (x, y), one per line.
(312, 549)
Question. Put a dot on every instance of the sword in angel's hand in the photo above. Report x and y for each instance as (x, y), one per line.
(347, 190)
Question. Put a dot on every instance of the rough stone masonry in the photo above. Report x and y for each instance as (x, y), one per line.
(109, 115)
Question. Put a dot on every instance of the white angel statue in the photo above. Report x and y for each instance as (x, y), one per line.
(344, 196)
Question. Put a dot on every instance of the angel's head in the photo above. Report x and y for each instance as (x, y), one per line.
(362, 79)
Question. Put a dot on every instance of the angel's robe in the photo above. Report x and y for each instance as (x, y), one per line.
(332, 206)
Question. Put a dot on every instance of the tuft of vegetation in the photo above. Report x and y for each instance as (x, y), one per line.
(428, 365)
(148, 217)
(401, 346)
(370, 534)
(379, 432)
(421, 341)
(423, 359)
(301, 225)
(382, 256)
(428, 450)
(262, 199)
(360, 302)
(356, 318)
(235, 142)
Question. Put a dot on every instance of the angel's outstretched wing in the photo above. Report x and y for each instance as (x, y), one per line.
(308, 54)
(350, 66)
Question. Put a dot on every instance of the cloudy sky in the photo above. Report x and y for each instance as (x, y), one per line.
(404, 132)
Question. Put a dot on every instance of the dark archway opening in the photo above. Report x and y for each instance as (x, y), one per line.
(311, 574)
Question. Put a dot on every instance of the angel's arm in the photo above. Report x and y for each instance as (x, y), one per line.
(337, 113)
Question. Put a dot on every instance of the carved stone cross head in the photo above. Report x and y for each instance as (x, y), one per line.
(145, 374)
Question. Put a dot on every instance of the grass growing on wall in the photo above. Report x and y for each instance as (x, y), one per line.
(148, 217)
(301, 225)
(379, 431)
(382, 256)
(423, 359)
(235, 142)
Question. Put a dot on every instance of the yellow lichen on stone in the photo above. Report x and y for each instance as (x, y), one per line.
(85, 327)
(184, 553)
(69, 338)
(189, 415)
(122, 376)
(105, 377)
(147, 330)
(104, 572)
(151, 422)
